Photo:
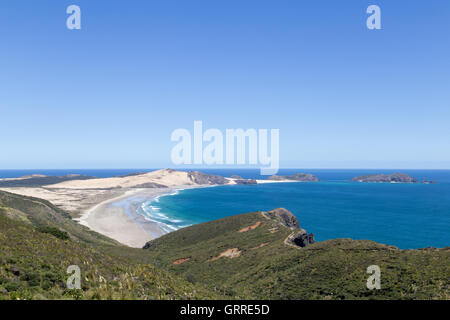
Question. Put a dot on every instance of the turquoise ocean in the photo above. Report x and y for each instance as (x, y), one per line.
(403, 215)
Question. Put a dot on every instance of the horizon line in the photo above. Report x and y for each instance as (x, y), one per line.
(222, 168)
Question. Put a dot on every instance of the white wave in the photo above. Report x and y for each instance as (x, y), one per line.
(151, 211)
(172, 227)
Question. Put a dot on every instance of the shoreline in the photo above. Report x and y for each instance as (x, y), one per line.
(116, 222)
(120, 207)
(119, 217)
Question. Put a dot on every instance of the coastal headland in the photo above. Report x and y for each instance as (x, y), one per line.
(110, 206)
(39, 240)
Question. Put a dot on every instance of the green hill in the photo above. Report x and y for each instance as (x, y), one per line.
(39, 241)
(42, 214)
(250, 256)
(39, 181)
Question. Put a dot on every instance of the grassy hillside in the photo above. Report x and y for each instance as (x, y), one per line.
(258, 263)
(245, 256)
(39, 241)
(41, 213)
(39, 181)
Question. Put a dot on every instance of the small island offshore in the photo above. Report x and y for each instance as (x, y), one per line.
(236, 151)
(300, 177)
(389, 178)
(49, 223)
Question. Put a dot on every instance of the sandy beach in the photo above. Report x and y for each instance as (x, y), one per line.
(119, 217)
(111, 206)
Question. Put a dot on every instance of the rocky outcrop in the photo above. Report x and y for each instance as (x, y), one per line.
(299, 237)
(302, 177)
(284, 216)
(246, 181)
(203, 178)
(303, 239)
(235, 176)
(148, 245)
(386, 178)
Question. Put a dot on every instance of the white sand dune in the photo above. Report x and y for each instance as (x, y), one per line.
(92, 201)
(165, 177)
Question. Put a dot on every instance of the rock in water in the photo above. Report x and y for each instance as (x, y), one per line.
(386, 178)
(246, 181)
(302, 177)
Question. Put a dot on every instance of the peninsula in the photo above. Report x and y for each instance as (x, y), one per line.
(110, 206)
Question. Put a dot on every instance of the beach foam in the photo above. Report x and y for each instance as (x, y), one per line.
(152, 212)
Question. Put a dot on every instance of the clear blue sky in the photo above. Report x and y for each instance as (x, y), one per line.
(109, 95)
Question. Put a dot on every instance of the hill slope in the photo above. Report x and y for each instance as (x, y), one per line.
(39, 241)
(251, 256)
(39, 180)
(40, 213)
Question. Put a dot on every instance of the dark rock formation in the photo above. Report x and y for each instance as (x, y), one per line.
(235, 176)
(303, 239)
(246, 181)
(303, 177)
(300, 237)
(203, 178)
(148, 245)
(428, 181)
(285, 216)
(386, 178)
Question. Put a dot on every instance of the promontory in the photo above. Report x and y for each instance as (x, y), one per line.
(302, 177)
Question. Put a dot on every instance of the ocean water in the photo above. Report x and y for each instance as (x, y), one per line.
(404, 215)
(408, 216)
(99, 173)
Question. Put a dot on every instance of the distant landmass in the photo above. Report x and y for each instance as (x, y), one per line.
(389, 178)
(37, 180)
(258, 255)
(246, 181)
(76, 193)
(303, 177)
